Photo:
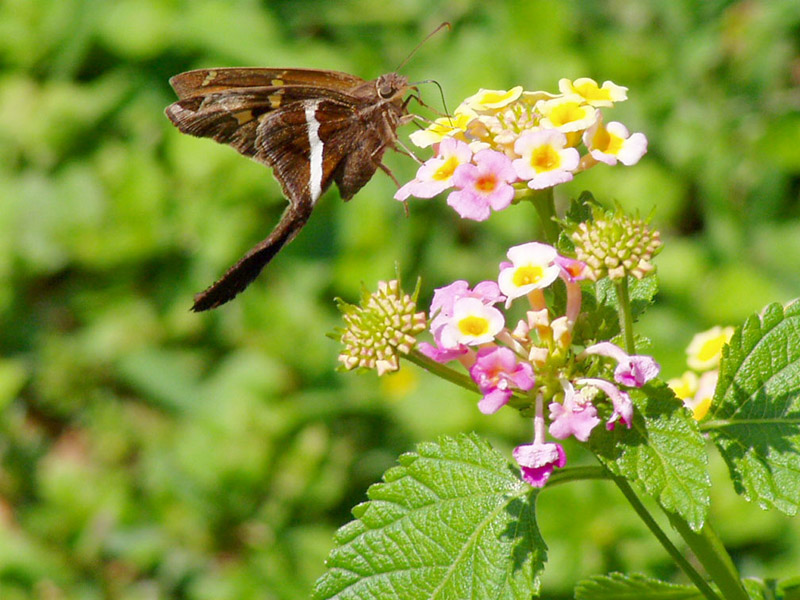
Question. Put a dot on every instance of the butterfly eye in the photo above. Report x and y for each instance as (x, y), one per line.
(386, 90)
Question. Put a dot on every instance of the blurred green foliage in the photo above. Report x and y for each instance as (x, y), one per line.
(149, 452)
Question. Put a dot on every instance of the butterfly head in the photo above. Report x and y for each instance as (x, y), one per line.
(391, 85)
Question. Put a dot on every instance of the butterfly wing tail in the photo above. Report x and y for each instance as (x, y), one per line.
(242, 274)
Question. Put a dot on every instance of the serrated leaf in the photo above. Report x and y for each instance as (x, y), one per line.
(599, 319)
(663, 454)
(641, 292)
(619, 586)
(755, 418)
(581, 209)
(458, 523)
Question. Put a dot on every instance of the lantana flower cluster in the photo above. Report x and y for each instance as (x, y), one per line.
(501, 141)
(533, 364)
(697, 385)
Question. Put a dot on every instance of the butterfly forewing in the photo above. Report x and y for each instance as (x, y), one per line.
(312, 127)
(207, 81)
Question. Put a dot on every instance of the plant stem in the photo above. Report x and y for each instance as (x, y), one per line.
(711, 553)
(419, 359)
(545, 205)
(625, 315)
(692, 573)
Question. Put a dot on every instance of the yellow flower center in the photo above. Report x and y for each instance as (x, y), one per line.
(701, 410)
(474, 326)
(711, 348)
(527, 275)
(441, 126)
(496, 98)
(606, 142)
(493, 97)
(568, 112)
(591, 91)
(684, 386)
(545, 158)
(486, 183)
(446, 170)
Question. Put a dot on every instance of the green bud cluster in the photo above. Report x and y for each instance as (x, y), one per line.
(384, 326)
(617, 246)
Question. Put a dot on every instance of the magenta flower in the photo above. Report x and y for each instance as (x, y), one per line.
(633, 370)
(575, 416)
(482, 186)
(436, 174)
(496, 371)
(538, 460)
(621, 401)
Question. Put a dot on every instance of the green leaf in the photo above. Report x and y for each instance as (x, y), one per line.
(453, 520)
(755, 418)
(642, 292)
(619, 586)
(599, 319)
(581, 209)
(663, 454)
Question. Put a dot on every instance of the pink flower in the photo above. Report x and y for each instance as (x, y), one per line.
(473, 323)
(487, 292)
(483, 186)
(436, 174)
(538, 460)
(572, 270)
(633, 370)
(621, 401)
(495, 371)
(575, 416)
(442, 355)
(444, 299)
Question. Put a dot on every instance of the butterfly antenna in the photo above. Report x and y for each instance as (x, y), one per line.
(417, 47)
(441, 94)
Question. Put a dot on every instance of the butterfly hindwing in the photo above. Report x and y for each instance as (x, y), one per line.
(306, 145)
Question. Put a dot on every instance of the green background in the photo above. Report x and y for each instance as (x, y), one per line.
(149, 452)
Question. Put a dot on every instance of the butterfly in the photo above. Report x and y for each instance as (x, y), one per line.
(312, 127)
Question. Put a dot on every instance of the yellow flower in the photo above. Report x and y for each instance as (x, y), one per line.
(705, 349)
(592, 93)
(695, 392)
(493, 99)
(444, 127)
(684, 386)
(701, 401)
(567, 114)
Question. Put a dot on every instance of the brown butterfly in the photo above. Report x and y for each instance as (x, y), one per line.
(311, 127)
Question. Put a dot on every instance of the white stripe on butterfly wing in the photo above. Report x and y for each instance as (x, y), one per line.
(315, 158)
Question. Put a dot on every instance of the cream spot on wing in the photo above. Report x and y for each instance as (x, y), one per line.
(210, 76)
(275, 99)
(243, 116)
